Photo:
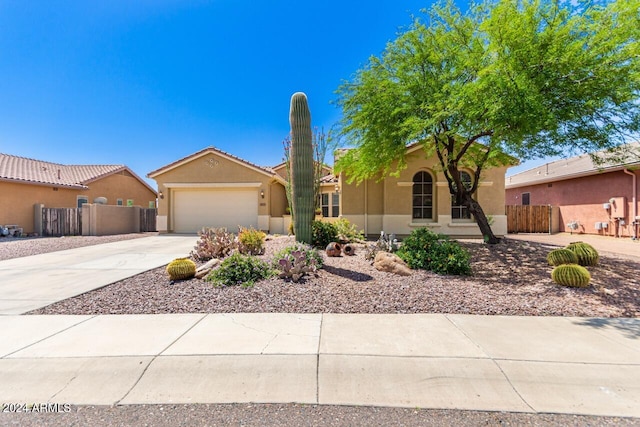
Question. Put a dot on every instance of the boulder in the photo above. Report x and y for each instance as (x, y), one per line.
(390, 263)
(205, 269)
(334, 249)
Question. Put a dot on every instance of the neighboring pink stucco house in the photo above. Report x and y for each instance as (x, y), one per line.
(591, 199)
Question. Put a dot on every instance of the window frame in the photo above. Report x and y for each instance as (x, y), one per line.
(462, 211)
(425, 209)
(79, 198)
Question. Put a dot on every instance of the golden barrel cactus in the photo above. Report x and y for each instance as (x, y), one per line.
(181, 269)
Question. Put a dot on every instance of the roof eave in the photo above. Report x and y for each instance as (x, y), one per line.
(556, 178)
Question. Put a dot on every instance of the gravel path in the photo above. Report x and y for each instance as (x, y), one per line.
(296, 415)
(11, 247)
(511, 278)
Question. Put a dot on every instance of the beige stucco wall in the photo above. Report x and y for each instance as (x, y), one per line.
(212, 168)
(278, 199)
(17, 200)
(389, 201)
(103, 220)
(123, 186)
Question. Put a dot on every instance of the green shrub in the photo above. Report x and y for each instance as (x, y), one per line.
(426, 250)
(214, 243)
(561, 256)
(572, 275)
(251, 241)
(311, 254)
(348, 232)
(181, 269)
(239, 269)
(587, 254)
(323, 233)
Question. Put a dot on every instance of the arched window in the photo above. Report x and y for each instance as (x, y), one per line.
(461, 211)
(422, 196)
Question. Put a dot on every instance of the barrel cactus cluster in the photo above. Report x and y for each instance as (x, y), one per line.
(569, 264)
(181, 269)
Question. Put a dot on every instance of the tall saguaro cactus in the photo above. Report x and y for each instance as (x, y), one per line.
(301, 164)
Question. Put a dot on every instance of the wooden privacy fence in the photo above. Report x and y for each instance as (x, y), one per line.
(61, 222)
(148, 219)
(528, 219)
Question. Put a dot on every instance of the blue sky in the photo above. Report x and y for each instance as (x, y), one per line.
(146, 82)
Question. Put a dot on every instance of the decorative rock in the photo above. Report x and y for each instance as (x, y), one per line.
(349, 249)
(391, 263)
(334, 249)
(205, 269)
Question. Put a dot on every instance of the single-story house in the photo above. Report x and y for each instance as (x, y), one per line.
(216, 189)
(592, 198)
(25, 182)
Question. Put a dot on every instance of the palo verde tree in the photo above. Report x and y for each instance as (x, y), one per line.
(530, 78)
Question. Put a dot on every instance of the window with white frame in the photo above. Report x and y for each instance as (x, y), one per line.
(324, 204)
(422, 206)
(330, 205)
(461, 211)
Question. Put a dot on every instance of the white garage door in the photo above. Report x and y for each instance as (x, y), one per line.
(194, 209)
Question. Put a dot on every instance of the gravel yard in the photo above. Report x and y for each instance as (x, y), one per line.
(511, 278)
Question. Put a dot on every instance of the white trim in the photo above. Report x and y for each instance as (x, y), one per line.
(405, 184)
(485, 184)
(442, 184)
(213, 185)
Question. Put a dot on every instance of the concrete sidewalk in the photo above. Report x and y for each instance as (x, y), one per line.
(32, 282)
(493, 363)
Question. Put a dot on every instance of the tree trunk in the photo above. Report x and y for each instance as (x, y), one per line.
(481, 219)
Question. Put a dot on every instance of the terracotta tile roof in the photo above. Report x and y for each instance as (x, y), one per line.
(575, 167)
(330, 178)
(22, 169)
(203, 152)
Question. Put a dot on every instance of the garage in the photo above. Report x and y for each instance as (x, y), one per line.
(219, 207)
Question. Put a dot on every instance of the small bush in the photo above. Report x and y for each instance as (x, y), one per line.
(214, 243)
(239, 269)
(251, 241)
(311, 254)
(348, 232)
(294, 262)
(426, 250)
(323, 233)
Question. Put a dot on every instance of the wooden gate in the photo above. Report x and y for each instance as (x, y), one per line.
(528, 219)
(61, 222)
(148, 220)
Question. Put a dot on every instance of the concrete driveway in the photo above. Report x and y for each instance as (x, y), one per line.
(36, 281)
